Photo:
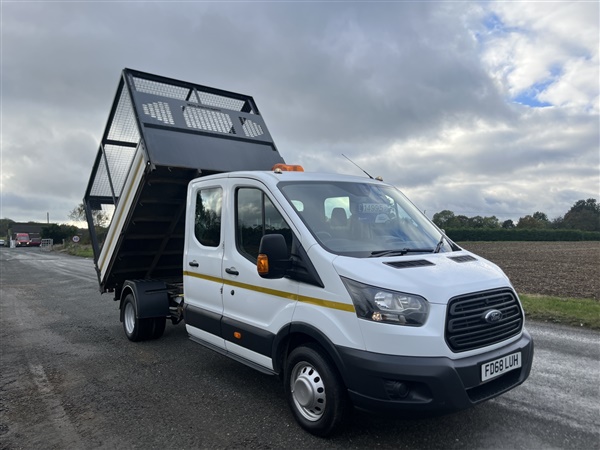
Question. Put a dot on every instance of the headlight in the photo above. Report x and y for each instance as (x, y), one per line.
(381, 305)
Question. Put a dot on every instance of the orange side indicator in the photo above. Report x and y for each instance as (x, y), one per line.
(262, 264)
(237, 335)
(287, 168)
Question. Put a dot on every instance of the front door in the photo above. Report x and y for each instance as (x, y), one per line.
(255, 309)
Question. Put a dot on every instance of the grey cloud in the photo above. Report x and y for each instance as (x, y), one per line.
(364, 79)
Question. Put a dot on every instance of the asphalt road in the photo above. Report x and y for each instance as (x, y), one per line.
(70, 379)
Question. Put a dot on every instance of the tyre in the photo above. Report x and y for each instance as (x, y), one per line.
(315, 391)
(136, 329)
(158, 327)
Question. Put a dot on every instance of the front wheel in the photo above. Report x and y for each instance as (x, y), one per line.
(315, 391)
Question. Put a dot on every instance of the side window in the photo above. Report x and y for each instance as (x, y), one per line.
(207, 221)
(255, 217)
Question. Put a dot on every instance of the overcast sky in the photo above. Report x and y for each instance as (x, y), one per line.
(482, 108)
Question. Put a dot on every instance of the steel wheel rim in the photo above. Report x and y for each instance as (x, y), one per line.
(308, 391)
(129, 318)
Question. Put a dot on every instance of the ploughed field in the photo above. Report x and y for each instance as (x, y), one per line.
(560, 269)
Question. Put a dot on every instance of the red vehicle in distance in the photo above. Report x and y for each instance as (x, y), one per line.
(35, 240)
(22, 240)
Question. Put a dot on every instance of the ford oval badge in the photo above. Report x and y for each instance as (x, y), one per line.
(492, 316)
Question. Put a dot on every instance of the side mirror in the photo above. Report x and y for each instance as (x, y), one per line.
(273, 261)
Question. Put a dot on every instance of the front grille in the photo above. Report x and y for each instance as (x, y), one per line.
(466, 326)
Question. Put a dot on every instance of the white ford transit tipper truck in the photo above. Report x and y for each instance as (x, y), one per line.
(337, 284)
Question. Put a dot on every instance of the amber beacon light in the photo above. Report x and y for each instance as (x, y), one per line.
(278, 168)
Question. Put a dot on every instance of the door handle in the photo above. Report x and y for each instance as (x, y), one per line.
(232, 271)
(194, 263)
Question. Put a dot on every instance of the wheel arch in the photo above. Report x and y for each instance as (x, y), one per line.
(297, 334)
(151, 298)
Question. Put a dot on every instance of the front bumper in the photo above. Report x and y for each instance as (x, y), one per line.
(388, 383)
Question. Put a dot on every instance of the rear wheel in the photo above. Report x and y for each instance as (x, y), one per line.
(136, 329)
(315, 391)
(158, 327)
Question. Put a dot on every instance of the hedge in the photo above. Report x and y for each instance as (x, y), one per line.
(516, 234)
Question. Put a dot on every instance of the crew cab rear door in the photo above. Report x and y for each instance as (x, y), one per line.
(202, 261)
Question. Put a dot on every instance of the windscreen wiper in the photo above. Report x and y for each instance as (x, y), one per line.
(399, 252)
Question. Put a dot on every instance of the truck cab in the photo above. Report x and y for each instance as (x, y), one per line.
(407, 319)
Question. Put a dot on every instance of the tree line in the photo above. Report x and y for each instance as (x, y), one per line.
(581, 222)
(584, 215)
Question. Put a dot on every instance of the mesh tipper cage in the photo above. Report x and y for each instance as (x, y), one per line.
(160, 134)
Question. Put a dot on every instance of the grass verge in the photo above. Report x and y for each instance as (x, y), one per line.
(579, 312)
(85, 251)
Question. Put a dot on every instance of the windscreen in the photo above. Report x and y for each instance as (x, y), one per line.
(363, 219)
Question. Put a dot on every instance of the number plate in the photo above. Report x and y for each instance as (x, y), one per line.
(499, 366)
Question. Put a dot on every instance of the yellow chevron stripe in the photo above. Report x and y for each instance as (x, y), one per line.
(282, 294)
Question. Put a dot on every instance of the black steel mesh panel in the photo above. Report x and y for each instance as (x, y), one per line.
(119, 161)
(101, 186)
(193, 97)
(109, 210)
(159, 111)
(221, 102)
(162, 89)
(208, 120)
(123, 126)
(466, 328)
(188, 94)
(251, 129)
